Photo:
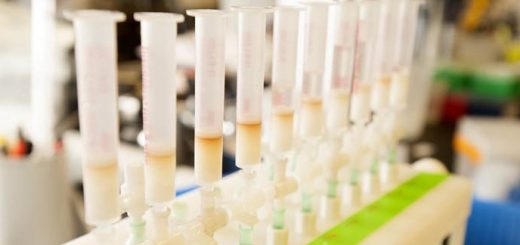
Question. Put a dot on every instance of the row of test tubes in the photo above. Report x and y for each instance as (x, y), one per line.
(342, 117)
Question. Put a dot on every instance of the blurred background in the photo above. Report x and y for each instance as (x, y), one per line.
(463, 108)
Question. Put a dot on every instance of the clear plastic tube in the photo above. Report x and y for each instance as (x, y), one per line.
(315, 44)
(408, 10)
(250, 84)
(158, 36)
(381, 87)
(285, 53)
(96, 64)
(210, 31)
(411, 10)
(364, 61)
(340, 73)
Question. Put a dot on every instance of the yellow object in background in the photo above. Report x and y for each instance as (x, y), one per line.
(474, 13)
(512, 52)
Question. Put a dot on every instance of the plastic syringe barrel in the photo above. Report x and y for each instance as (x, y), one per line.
(250, 72)
(286, 33)
(409, 31)
(315, 44)
(285, 53)
(210, 31)
(381, 86)
(408, 10)
(158, 36)
(395, 31)
(344, 41)
(364, 61)
(96, 66)
(250, 83)
(339, 73)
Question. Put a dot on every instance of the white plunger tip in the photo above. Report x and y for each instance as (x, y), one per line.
(205, 12)
(92, 14)
(159, 16)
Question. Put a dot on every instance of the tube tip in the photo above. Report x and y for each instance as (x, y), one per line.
(90, 14)
(158, 16)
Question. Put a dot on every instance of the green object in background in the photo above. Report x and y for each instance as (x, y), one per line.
(494, 86)
(488, 83)
(458, 79)
(367, 220)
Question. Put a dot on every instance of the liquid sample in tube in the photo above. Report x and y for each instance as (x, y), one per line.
(101, 187)
(338, 104)
(360, 109)
(281, 129)
(311, 117)
(381, 93)
(208, 159)
(249, 140)
(160, 177)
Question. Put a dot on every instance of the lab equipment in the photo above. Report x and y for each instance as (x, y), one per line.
(340, 72)
(96, 59)
(361, 91)
(158, 35)
(210, 29)
(399, 90)
(315, 43)
(43, 75)
(250, 84)
(286, 33)
(364, 62)
(261, 203)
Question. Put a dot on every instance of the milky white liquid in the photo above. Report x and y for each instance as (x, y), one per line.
(381, 93)
(159, 178)
(311, 118)
(281, 129)
(360, 110)
(101, 189)
(399, 89)
(208, 159)
(337, 116)
(248, 144)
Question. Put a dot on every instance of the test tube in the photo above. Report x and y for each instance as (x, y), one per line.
(315, 44)
(341, 70)
(285, 53)
(210, 30)
(250, 84)
(96, 64)
(364, 62)
(399, 90)
(381, 88)
(158, 35)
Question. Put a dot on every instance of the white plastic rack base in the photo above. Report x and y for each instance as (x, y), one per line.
(440, 213)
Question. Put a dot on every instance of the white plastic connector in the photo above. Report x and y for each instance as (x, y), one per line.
(277, 236)
(305, 224)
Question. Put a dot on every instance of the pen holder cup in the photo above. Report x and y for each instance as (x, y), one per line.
(35, 207)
